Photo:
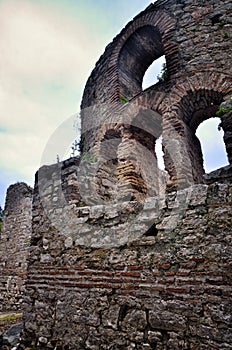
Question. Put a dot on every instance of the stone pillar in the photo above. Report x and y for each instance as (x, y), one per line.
(137, 165)
(176, 156)
(14, 245)
(195, 155)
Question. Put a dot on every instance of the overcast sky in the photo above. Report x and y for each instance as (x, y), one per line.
(48, 49)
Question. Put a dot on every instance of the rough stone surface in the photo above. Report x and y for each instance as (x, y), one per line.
(154, 274)
(114, 263)
(11, 339)
(14, 245)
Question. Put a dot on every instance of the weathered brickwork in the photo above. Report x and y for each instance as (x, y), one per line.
(114, 262)
(195, 38)
(14, 245)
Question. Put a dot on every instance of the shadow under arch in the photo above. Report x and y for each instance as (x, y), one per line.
(191, 101)
(142, 48)
(142, 42)
(123, 65)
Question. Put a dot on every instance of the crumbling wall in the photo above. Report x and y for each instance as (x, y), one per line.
(154, 274)
(14, 245)
(115, 263)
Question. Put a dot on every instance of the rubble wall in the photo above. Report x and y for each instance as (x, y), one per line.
(114, 263)
(154, 274)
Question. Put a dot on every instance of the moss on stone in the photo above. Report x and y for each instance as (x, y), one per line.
(10, 317)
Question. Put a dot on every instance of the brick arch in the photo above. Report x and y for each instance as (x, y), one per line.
(189, 103)
(152, 100)
(199, 105)
(107, 68)
(178, 105)
(192, 77)
(207, 80)
(155, 27)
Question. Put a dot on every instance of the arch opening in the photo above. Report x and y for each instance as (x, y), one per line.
(159, 153)
(198, 106)
(154, 73)
(194, 108)
(163, 176)
(139, 51)
(213, 147)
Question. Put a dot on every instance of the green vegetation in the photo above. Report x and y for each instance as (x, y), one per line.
(82, 204)
(224, 108)
(164, 73)
(148, 91)
(131, 217)
(225, 35)
(123, 99)
(101, 254)
(89, 157)
(11, 317)
(222, 23)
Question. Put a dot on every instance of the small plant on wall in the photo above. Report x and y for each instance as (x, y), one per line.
(123, 99)
(164, 73)
(89, 157)
(224, 108)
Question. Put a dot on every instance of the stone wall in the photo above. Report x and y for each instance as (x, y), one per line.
(154, 274)
(14, 245)
(114, 262)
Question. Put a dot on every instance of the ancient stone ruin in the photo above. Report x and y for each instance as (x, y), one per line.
(14, 246)
(120, 258)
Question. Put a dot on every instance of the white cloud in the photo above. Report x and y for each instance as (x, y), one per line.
(44, 57)
(38, 42)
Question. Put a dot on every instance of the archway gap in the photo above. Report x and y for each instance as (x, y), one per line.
(196, 108)
(142, 48)
(153, 73)
(212, 144)
(199, 105)
(159, 153)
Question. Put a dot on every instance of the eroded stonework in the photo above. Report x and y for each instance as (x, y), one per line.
(149, 275)
(114, 262)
